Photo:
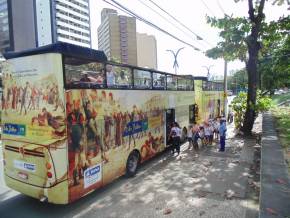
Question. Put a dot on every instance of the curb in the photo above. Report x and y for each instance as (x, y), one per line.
(275, 183)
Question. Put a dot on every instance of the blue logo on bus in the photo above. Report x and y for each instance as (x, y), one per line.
(135, 127)
(92, 171)
(14, 129)
(28, 166)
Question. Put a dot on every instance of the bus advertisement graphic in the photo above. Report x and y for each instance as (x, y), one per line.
(103, 129)
(32, 99)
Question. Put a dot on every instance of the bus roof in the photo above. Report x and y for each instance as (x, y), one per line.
(66, 49)
(204, 78)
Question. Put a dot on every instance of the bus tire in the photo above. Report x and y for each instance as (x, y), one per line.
(132, 163)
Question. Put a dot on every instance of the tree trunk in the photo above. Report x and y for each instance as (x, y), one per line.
(252, 90)
(252, 63)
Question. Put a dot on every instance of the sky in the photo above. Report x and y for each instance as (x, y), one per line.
(192, 13)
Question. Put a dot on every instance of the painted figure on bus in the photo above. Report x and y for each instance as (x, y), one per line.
(24, 98)
(76, 126)
(147, 151)
(58, 101)
(118, 134)
(108, 122)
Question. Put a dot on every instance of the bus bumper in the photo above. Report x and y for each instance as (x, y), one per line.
(57, 194)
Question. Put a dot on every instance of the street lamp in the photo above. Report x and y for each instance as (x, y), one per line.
(175, 63)
(208, 68)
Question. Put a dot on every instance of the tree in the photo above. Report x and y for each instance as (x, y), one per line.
(242, 39)
(274, 62)
(254, 46)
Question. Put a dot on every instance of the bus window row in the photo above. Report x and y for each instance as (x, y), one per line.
(212, 86)
(98, 75)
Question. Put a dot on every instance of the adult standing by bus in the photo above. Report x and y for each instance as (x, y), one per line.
(189, 136)
(175, 133)
(222, 132)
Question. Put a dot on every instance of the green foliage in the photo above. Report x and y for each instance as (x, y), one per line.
(115, 59)
(282, 118)
(275, 55)
(233, 33)
(274, 58)
(239, 105)
(277, 99)
(238, 80)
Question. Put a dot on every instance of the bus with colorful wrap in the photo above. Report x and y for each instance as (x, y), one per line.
(72, 122)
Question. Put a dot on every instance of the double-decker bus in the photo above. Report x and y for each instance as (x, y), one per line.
(73, 122)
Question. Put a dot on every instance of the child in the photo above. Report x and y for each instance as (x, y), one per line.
(222, 131)
(206, 133)
(201, 135)
(216, 127)
(211, 130)
(195, 136)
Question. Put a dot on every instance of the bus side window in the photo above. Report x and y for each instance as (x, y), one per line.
(87, 75)
(181, 84)
(159, 81)
(142, 79)
(171, 82)
(118, 77)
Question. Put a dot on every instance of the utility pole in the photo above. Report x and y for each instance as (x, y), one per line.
(225, 87)
(175, 63)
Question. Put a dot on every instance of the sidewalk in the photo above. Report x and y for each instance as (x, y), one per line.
(203, 184)
(275, 185)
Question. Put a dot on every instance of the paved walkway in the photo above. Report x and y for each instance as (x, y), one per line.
(204, 184)
(275, 184)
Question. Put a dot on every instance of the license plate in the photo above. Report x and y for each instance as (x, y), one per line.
(23, 175)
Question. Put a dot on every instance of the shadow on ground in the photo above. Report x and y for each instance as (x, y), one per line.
(205, 183)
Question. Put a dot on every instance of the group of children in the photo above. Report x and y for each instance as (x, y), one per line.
(207, 132)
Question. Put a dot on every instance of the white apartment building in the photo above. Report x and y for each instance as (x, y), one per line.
(46, 22)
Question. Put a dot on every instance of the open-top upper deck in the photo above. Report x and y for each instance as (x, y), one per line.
(89, 68)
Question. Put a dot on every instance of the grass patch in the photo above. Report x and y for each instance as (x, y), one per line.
(282, 118)
(277, 99)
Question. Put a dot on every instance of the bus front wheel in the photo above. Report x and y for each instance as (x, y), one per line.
(132, 163)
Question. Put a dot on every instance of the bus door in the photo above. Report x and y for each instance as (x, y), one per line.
(170, 118)
(192, 117)
(218, 107)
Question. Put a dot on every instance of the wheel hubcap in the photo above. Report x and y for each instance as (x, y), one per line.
(133, 163)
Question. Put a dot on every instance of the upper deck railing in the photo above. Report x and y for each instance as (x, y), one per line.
(88, 68)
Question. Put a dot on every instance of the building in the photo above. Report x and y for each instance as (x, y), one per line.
(33, 23)
(146, 51)
(4, 27)
(117, 37)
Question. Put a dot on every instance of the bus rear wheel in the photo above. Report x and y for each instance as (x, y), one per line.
(132, 164)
